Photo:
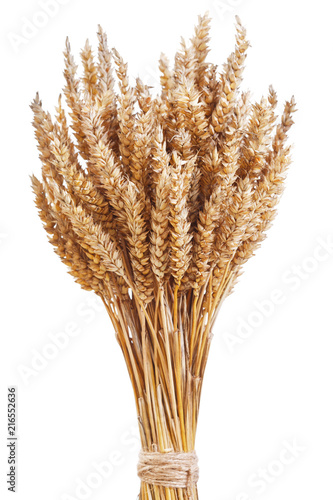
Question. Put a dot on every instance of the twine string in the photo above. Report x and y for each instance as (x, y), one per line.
(171, 470)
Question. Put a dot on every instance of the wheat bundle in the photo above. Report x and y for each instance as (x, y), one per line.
(155, 202)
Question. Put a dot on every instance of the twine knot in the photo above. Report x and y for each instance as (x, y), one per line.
(169, 469)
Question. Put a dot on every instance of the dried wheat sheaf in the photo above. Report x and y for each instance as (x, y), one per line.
(155, 202)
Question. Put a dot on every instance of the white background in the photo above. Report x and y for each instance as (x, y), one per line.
(263, 391)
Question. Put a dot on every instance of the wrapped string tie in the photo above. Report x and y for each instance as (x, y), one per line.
(171, 470)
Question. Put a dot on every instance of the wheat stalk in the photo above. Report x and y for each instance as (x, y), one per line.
(155, 203)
